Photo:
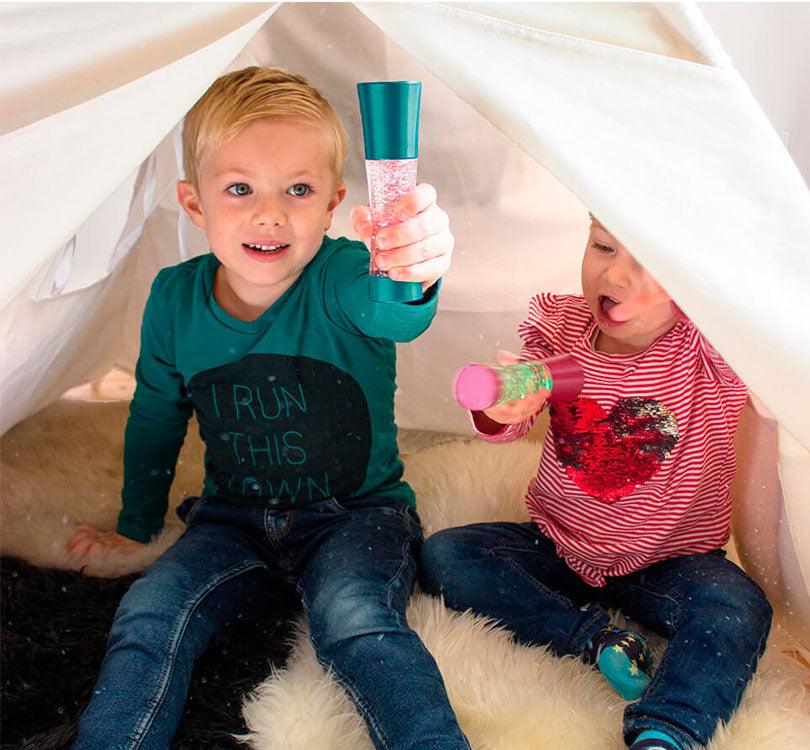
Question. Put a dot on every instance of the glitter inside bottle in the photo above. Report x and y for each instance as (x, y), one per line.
(521, 379)
(388, 181)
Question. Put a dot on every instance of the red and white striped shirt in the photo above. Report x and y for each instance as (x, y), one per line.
(638, 468)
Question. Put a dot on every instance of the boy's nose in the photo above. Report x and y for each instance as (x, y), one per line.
(269, 213)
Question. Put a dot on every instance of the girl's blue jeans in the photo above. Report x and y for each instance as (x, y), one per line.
(353, 564)
(715, 617)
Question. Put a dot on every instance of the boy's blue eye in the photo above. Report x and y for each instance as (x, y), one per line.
(239, 188)
(300, 189)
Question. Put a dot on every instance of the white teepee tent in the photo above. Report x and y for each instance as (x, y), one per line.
(634, 109)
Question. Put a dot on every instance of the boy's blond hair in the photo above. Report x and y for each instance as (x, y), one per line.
(235, 100)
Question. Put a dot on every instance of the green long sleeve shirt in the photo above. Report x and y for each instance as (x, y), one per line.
(293, 407)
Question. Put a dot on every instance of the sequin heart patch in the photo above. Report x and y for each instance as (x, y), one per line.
(610, 454)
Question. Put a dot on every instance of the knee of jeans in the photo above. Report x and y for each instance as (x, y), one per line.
(151, 608)
(443, 555)
(352, 610)
(737, 609)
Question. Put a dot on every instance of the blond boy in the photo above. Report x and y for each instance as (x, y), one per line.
(272, 341)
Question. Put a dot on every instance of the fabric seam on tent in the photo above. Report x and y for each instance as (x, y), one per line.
(566, 40)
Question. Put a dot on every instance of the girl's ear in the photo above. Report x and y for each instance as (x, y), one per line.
(189, 200)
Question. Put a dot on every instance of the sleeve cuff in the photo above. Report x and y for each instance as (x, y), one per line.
(485, 426)
(495, 432)
(133, 531)
(430, 294)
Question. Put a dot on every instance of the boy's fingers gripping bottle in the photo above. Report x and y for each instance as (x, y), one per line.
(390, 114)
(478, 387)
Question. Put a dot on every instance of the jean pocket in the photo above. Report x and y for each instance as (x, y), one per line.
(188, 508)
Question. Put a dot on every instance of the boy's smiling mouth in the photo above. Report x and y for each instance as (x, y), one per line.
(265, 248)
(267, 251)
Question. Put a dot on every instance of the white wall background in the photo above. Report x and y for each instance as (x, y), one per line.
(770, 46)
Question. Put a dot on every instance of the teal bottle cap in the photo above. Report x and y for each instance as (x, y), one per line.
(390, 114)
(383, 289)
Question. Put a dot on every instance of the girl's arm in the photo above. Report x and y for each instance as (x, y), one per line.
(504, 423)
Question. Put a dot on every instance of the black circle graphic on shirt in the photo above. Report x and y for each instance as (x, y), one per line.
(286, 430)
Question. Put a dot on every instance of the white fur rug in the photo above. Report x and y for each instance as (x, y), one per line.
(63, 465)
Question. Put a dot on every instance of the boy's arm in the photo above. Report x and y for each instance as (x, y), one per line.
(349, 303)
(417, 249)
(156, 428)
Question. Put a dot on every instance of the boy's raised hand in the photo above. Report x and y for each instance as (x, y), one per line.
(89, 542)
(417, 249)
(514, 412)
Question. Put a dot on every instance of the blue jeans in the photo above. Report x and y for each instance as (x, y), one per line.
(715, 617)
(354, 567)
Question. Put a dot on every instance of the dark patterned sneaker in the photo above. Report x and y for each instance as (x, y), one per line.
(624, 658)
(651, 740)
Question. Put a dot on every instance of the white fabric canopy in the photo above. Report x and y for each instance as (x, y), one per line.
(531, 112)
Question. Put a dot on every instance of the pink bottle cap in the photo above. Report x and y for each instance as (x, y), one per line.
(567, 378)
(477, 387)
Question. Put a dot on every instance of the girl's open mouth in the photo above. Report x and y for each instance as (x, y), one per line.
(606, 304)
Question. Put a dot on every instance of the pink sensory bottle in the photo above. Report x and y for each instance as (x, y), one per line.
(478, 387)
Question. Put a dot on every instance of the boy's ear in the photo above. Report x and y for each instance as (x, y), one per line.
(190, 202)
(337, 199)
